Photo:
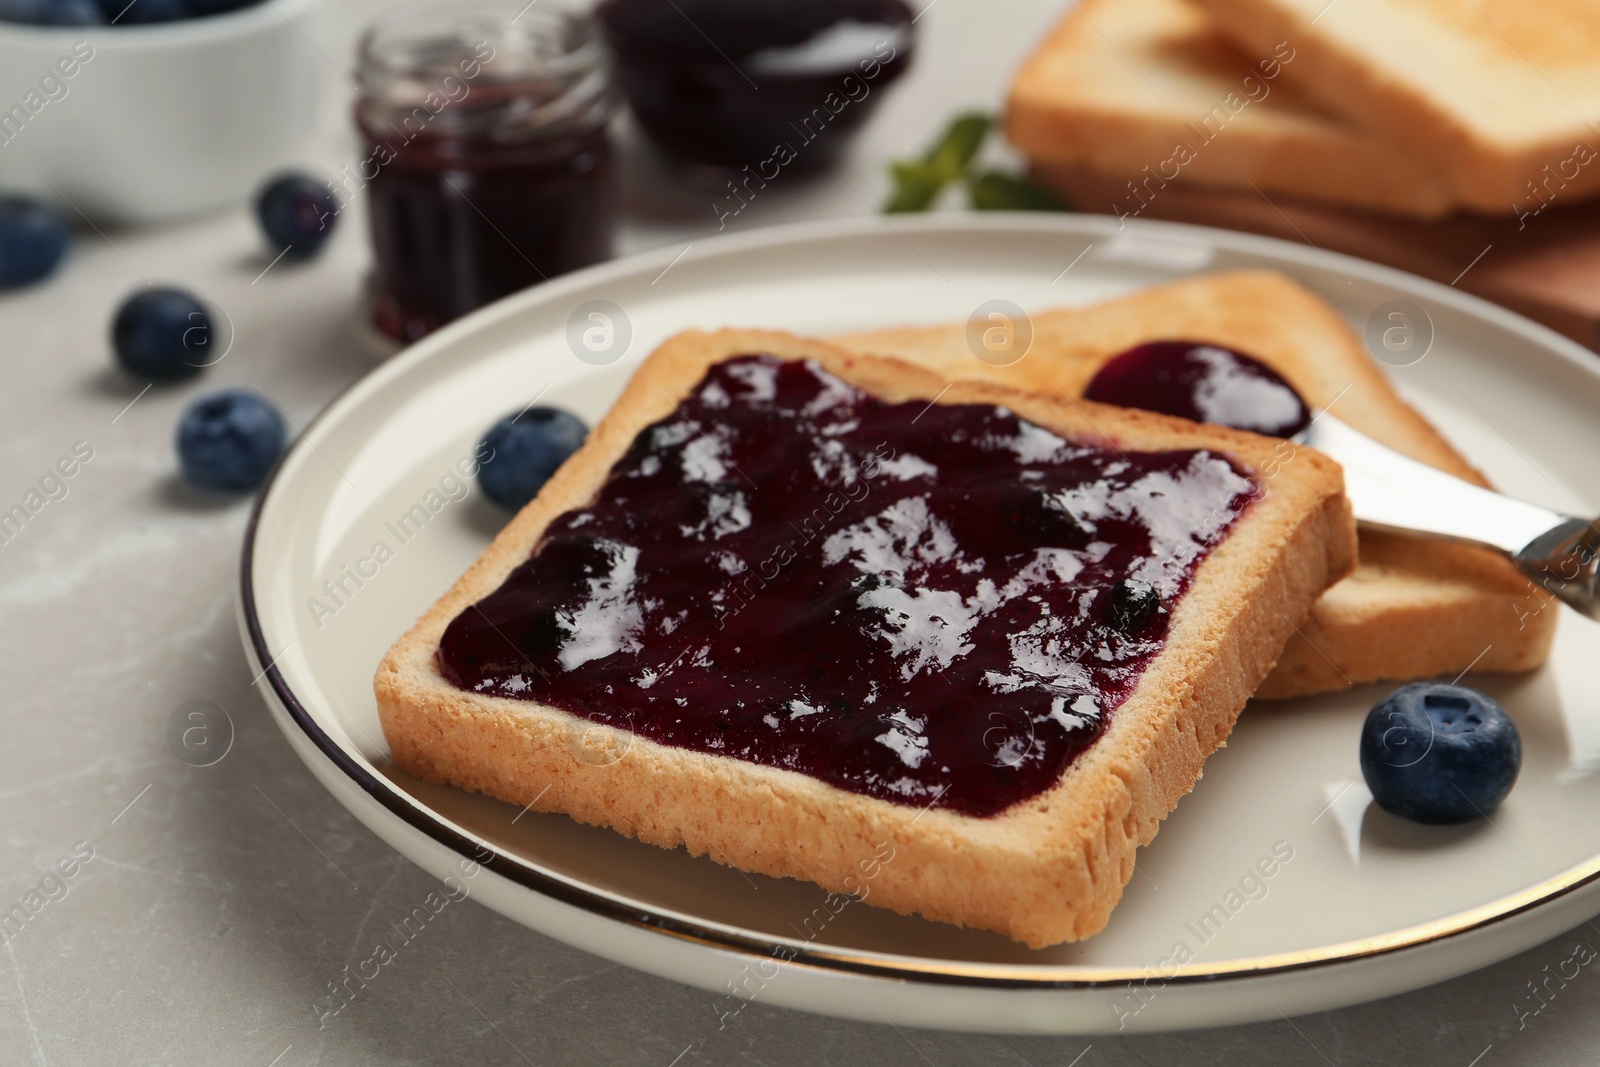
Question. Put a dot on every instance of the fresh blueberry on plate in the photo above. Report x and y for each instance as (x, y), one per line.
(228, 442)
(524, 451)
(162, 333)
(1436, 753)
(34, 237)
(297, 213)
(52, 12)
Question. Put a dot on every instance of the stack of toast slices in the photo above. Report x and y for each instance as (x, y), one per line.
(1152, 93)
(1411, 106)
(1495, 95)
(1458, 139)
(1275, 605)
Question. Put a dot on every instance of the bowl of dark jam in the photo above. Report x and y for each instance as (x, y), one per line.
(768, 86)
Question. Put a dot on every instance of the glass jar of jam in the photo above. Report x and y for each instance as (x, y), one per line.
(486, 161)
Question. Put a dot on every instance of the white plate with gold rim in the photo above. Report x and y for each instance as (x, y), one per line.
(1273, 889)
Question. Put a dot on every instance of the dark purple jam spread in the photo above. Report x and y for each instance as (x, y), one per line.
(931, 604)
(1203, 382)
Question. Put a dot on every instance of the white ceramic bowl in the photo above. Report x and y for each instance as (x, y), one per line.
(138, 124)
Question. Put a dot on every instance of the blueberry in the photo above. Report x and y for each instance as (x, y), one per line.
(52, 12)
(34, 237)
(524, 451)
(1439, 753)
(227, 442)
(1133, 604)
(296, 213)
(139, 12)
(162, 333)
(1040, 519)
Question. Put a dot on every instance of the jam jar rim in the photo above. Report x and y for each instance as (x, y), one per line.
(591, 50)
(589, 100)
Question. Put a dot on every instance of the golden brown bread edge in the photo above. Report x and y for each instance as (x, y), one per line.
(1046, 870)
(1412, 609)
(1488, 178)
(1059, 113)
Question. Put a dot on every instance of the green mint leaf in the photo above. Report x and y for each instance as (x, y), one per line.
(918, 182)
(916, 187)
(956, 150)
(998, 191)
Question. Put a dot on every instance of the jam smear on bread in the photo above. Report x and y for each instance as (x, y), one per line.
(939, 605)
(1203, 382)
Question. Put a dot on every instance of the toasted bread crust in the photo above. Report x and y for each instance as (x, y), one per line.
(1430, 99)
(1046, 870)
(1411, 609)
(1151, 91)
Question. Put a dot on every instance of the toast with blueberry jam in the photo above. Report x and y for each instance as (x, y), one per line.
(807, 612)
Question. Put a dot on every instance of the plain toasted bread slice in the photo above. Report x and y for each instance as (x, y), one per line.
(1500, 97)
(1549, 272)
(1151, 92)
(1043, 870)
(1412, 609)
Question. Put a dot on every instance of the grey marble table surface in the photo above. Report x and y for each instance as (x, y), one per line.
(218, 901)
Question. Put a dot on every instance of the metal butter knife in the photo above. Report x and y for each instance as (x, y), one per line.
(1392, 492)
